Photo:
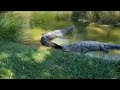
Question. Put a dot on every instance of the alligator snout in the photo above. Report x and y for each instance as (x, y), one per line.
(64, 49)
(73, 27)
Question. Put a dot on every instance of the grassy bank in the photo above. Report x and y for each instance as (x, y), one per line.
(30, 62)
(14, 25)
(26, 62)
(10, 26)
(50, 20)
(103, 17)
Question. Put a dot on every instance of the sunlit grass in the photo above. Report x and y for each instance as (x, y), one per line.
(15, 24)
(41, 22)
(8, 74)
(48, 20)
(27, 62)
(40, 57)
(10, 25)
(31, 62)
(4, 55)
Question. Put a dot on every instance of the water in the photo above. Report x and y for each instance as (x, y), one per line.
(107, 35)
(94, 32)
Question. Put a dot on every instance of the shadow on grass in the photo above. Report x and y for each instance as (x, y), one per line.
(19, 61)
(24, 62)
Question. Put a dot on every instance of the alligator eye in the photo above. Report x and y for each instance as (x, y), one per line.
(64, 50)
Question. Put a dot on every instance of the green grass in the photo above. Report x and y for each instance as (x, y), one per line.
(19, 61)
(13, 25)
(10, 26)
(49, 20)
(104, 17)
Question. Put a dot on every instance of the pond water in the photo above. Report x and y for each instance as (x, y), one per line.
(94, 32)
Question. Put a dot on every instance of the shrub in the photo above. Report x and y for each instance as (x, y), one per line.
(104, 17)
(49, 20)
(10, 26)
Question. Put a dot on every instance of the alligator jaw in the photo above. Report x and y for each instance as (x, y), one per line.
(64, 49)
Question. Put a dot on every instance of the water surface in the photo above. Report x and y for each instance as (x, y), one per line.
(94, 32)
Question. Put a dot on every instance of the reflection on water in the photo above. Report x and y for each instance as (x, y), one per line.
(61, 41)
(111, 56)
(92, 32)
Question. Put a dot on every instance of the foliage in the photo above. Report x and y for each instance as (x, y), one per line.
(10, 25)
(104, 17)
(26, 62)
(49, 20)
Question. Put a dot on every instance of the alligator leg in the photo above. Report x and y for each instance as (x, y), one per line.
(104, 49)
(84, 50)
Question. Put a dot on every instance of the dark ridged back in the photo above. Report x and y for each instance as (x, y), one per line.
(113, 46)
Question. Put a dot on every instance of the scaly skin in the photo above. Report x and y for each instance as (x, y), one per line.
(85, 46)
(46, 38)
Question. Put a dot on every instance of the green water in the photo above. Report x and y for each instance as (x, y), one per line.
(94, 32)
(45, 22)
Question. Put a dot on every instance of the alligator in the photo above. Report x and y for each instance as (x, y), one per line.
(46, 42)
(85, 46)
(46, 38)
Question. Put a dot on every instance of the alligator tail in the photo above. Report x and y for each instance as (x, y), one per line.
(114, 46)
